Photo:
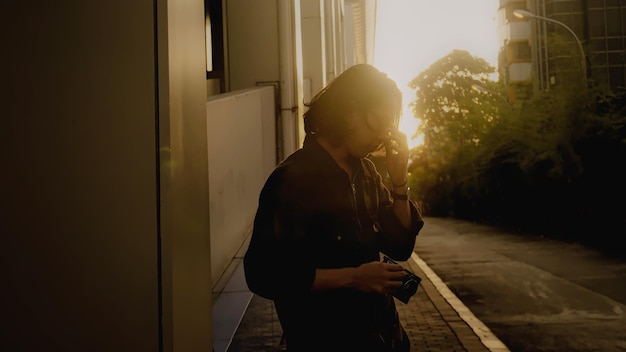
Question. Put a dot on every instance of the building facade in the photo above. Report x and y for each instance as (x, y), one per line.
(559, 42)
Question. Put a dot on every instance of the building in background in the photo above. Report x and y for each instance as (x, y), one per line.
(514, 57)
(539, 54)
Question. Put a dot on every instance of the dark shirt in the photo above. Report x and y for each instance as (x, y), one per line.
(311, 215)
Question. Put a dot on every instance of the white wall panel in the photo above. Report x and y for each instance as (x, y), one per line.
(241, 151)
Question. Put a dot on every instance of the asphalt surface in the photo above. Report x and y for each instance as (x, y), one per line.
(535, 293)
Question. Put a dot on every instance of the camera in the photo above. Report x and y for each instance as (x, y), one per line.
(410, 283)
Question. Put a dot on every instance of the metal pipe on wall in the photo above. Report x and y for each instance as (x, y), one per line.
(291, 85)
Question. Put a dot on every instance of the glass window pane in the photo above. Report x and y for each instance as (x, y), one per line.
(564, 6)
(616, 75)
(209, 43)
(595, 4)
(615, 44)
(599, 59)
(596, 23)
(613, 23)
(519, 51)
(598, 44)
(616, 58)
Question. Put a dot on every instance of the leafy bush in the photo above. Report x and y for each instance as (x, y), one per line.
(552, 164)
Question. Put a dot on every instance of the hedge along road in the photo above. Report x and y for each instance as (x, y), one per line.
(534, 293)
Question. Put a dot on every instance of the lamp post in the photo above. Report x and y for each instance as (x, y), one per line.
(481, 89)
(525, 14)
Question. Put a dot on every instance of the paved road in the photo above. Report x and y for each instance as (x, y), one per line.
(535, 294)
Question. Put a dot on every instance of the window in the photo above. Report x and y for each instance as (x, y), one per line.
(596, 23)
(615, 44)
(613, 23)
(518, 51)
(512, 6)
(616, 58)
(566, 6)
(616, 77)
(214, 36)
(598, 44)
(599, 59)
(595, 4)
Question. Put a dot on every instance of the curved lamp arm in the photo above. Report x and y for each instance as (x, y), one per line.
(525, 14)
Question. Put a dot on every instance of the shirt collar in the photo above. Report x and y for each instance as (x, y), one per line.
(322, 157)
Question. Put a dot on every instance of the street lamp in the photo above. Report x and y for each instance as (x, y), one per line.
(525, 14)
(481, 89)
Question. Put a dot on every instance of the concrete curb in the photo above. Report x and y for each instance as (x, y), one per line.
(487, 338)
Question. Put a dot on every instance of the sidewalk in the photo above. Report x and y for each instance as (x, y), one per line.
(435, 320)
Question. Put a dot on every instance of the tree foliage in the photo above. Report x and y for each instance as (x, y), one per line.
(454, 119)
(552, 163)
(451, 116)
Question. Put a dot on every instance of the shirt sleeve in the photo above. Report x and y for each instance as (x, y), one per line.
(394, 239)
(276, 263)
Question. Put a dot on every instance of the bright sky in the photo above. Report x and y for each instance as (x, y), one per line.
(413, 34)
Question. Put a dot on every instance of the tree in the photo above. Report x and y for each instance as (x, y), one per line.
(452, 117)
(551, 164)
(454, 120)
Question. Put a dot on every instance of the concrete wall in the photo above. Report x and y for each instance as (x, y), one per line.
(96, 243)
(242, 152)
(185, 268)
(79, 204)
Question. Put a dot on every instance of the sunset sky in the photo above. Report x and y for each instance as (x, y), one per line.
(413, 34)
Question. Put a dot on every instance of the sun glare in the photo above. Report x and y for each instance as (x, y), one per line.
(413, 34)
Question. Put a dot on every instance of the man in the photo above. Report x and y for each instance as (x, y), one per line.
(325, 217)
